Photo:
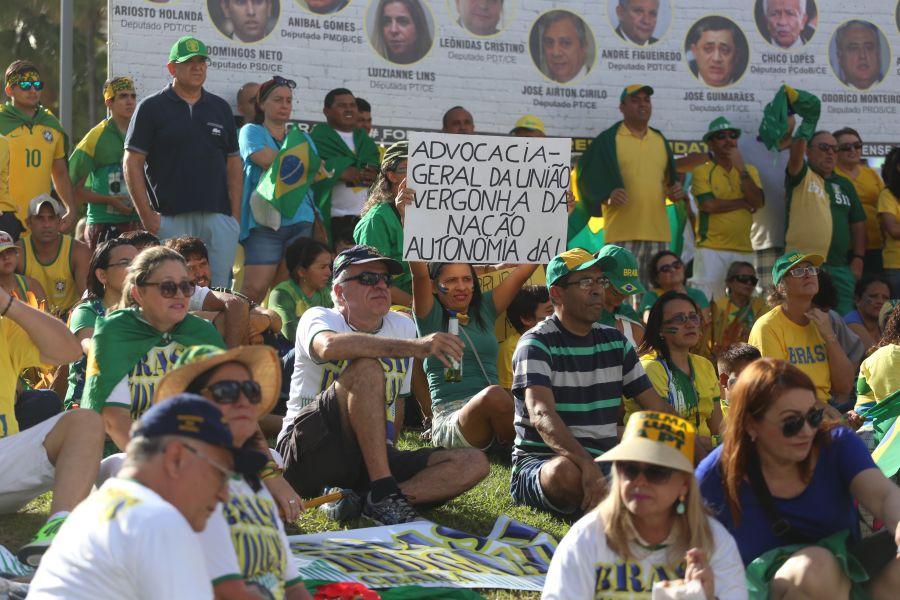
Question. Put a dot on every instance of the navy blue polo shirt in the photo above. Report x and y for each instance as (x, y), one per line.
(186, 148)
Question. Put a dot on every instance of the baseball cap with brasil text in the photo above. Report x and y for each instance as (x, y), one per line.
(624, 277)
(576, 259)
(6, 241)
(657, 439)
(187, 48)
(789, 260)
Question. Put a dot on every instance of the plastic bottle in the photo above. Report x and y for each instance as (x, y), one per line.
(453, 373)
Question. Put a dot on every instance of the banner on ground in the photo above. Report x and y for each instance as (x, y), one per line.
(513, 556)
(486, 199)
(563, 62)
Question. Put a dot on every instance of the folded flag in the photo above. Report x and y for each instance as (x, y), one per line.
(297, 166)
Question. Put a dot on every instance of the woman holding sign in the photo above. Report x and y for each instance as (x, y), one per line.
(265, 231)
(651, 530)
(470, 410)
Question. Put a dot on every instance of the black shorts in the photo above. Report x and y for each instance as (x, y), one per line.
(318, 453)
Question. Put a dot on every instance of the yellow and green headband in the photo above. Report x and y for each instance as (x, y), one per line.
(119, 84)
(20, 76)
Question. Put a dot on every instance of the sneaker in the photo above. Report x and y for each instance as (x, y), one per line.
(348, 507)
(31, 553)
(391, 510)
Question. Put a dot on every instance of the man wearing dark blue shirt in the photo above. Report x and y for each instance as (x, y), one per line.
(182, 165)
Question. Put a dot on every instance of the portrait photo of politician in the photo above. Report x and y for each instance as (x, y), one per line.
(323, 7)
(480, 17)
(786, 24)
(562, 46)
(717, 51)
(401, 31)
(859, 54)
(640, 22)
(245, 21)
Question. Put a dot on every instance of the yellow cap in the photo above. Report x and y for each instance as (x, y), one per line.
(530, 122)
(657, 439)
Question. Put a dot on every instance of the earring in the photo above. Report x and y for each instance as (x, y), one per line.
(679, 508)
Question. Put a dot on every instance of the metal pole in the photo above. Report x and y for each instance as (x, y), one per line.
(66, 51)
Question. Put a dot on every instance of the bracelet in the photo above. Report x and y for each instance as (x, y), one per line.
(8, 304)
(270, 470)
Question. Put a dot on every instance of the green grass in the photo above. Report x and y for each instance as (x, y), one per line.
(473, 512)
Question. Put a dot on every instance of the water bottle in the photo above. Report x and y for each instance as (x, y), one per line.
(453, 373)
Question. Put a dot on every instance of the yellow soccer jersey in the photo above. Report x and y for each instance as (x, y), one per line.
(31, 156)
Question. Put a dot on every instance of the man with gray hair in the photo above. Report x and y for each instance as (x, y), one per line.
(564, 45)
(637, 21)
(353, 365)
(786, 23)
(858, 45)
(135, 537)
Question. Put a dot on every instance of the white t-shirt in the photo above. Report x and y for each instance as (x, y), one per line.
(200, 294)
(123, 541)
(584, 567)
(135, 391)
(311, 377)
(345, 200)
(255, 547)
(768, 226)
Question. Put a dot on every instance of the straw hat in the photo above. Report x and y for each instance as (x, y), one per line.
(262, 361)
(657, 439)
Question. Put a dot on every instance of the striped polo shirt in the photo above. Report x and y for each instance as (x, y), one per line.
(588, 375)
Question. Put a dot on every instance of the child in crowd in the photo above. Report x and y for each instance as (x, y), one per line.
(530, 306)
(731, 362)
(309, 268)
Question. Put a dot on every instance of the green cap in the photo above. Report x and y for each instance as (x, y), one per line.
(789, 260)
(633, 89)
(187, 48)
(576, 259)
(624, 277)
(719, 124)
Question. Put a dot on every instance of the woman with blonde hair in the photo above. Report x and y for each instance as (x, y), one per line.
(651, 527)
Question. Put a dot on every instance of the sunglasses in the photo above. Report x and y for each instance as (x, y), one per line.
(672, 266)
(731, 135)
(751, 279)
(804, 271)
(791, 426)
(586, 283)
(827, 147)
(654, 474)
(228, 391)
(168, 289)
(371, 279)
(27, 85)
(850, 146)
(279, 80)
(124, 263)
(682, 319)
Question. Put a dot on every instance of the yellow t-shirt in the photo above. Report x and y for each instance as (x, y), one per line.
(879, 375)
(728, 230)
(6, 201)
(55, 277)
(776, 336)
(643, 163)
(809, 204)
(31, 156)
(706, 385)
(867, 186)
(17, 353)
(888, 204)
(504, 359)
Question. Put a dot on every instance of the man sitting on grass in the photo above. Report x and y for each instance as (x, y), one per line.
(569, 376)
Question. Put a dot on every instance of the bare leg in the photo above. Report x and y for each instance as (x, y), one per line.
(420, 390)
(810, 574)
(449, 474)
(561, 481)
(257, 279)
(886, 583)
(486, 415)
(360, 391)
(74, 447)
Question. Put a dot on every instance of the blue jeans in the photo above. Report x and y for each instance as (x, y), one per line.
(264, 246)
(525, 484)
(219, 232)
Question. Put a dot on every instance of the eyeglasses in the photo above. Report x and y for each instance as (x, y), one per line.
(676, 265)
(731, 135)
(804, 271)
(791, 426)
(228, 391)
(827, 147)
(752, 280)
(586, 283)
(224, 473)
(654, 474)
(167, 289)
(124, 263)
(682, 319)
(370, 279)
(846, 147)
(27, 85)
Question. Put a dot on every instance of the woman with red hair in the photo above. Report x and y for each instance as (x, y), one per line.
(784, 483)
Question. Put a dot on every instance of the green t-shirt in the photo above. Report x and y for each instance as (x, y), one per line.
(84, 316)
(651, 296)
(609, 318)
(98, 157)
(803, 215)
(380, 228)
(289, 302)
(486, 346)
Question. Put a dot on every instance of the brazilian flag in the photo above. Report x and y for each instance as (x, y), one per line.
(887, 434)
(297, 166)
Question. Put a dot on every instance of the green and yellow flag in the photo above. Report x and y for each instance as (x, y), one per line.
(887, 435)
(297, 166)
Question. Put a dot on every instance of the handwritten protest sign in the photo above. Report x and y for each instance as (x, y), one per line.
(486, 199)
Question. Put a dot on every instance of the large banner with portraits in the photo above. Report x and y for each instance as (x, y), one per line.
(564, 62)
